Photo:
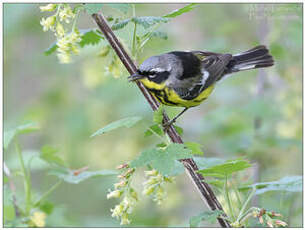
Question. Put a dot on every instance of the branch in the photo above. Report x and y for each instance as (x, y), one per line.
(204, 189)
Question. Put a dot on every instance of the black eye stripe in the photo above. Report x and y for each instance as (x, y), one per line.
(160, 77)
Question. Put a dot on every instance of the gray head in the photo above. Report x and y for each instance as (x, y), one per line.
(155, 68)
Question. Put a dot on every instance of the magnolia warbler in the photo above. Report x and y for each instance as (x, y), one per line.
(185, 79)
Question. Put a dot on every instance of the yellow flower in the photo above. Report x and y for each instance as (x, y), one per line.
(114, 194)
(48, 24)
(125, 220)
(60, 31)
(66, 13)
(38, 219)
(49, 7)
(117, 211)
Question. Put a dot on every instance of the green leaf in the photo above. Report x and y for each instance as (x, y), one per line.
(194, 147)
(123, 7)
(148, 21)
(46, 207)
(69, 176)
(126, 122)
(154, 129)
(225, 169)
(120, 25)
(90, 37)
(159, 34)
(180, 11)
(210, 216)
(207, 162)
(22, 129)
(161, 145)
(8, 137)
(9, 212)
(51, 49)
(5, 179)
(28, 128)
(288, 183)
(158, 115)
(49, 155)
(93, 8)
(179, 129)
(164, 160)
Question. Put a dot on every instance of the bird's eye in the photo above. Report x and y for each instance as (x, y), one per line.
(152, 74)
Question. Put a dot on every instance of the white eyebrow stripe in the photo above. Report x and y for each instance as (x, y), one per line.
(158, 70)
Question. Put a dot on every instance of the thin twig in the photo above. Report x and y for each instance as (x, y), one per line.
(189, 164)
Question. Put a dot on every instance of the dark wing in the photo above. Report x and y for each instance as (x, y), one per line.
(213, 66)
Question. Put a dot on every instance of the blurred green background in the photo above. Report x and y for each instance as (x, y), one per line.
(254, 114)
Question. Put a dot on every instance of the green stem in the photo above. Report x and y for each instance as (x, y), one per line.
(241, 213)
(228, 198)
(27, 179)
(47, 193)
(237, 196)
(148, 35)
(75, 20)
(134, 50)
(244, 217)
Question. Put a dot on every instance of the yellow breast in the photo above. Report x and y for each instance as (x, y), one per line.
(169, 97)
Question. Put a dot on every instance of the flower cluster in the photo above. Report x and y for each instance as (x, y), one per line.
(154, 185)
(123, 189)
(67, 43)
(38, 219)
(269, 218)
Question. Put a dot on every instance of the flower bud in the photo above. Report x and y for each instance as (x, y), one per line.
(49, 7)
(114, 194)
(280, 223)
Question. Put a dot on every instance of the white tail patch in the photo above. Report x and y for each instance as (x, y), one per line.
(245, 67)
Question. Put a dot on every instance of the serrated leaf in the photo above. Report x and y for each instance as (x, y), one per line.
(49, 154)
(180, 11)
(159, 34)
(194, 147)
(22, 129)
(90, 37)
(123, 7)
(207, 162)
(93, 8)
(126, 122)
(164, 160)
(154, 129)
(120, 25)
(158, 115)
(148, 21)
(69, 176)
(288, 183)
(51, 49)
(225, 169)
(210, 216)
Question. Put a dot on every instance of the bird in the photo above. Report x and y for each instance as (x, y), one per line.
(187, 78)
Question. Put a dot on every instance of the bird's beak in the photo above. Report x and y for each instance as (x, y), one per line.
(135, 77)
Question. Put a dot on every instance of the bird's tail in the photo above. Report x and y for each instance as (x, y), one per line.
(258, 57)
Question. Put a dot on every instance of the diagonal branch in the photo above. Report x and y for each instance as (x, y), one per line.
(204, 189)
